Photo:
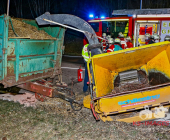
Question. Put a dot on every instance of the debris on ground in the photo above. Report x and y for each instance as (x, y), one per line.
(18, 122)
(24, 30)
(27, 99)
(58, 105)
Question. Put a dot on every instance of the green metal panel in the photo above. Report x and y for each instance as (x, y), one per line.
(1, 44)
(3, 39)
(23, 60)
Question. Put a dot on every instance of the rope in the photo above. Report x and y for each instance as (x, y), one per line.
(13, 27)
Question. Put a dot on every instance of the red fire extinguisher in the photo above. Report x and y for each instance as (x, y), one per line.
(80, 74)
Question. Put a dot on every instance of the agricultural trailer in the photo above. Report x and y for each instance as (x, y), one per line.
(34, 64)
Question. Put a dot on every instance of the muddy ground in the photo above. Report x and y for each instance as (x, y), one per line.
(55, 119)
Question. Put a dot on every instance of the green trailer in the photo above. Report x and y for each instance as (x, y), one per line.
(23, 60)
(29, 63)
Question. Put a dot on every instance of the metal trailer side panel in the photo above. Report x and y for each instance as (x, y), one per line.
(24, 60)
(4, 22)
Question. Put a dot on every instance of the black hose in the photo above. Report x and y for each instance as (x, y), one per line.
(13, 27)
(71, 103)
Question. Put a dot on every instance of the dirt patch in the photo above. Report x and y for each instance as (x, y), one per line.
(23, 29)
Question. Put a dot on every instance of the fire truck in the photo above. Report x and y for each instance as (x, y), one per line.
(134, 23)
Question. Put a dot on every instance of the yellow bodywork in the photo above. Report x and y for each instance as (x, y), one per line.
(150, 58)
(86, 101)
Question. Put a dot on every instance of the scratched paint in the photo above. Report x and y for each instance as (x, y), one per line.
(25, 59)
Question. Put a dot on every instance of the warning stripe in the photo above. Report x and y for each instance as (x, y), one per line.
(110, 50)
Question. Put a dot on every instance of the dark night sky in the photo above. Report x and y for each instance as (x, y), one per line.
(31, 9)
(82, 8)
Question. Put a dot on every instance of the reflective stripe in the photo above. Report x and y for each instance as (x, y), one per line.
(110, 50)
(85, 53)
(123, 42)
(86, 57)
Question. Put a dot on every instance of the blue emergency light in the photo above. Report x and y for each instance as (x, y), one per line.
(91, 15)
(102, 17)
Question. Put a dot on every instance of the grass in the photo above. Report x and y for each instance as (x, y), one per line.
(18, 122)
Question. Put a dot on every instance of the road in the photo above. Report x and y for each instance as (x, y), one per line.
(69, 71)
(73, 59)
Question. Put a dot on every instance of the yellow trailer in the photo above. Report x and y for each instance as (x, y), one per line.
(111, 70)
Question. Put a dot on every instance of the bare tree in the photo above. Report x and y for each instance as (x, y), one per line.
(38, 7)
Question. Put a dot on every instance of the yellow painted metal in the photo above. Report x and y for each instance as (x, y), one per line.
(151, 58)
(105, 75)
(86, 101)
(105, 118)
(160, 63)
(106, 65)
(112, 104)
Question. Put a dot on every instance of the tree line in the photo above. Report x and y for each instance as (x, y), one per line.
(82, 8)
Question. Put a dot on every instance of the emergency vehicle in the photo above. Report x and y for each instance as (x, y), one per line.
(134, 23)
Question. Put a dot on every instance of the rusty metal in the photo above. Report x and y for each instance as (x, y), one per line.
(10, 79)
(40, 97)
(72, 81)
(23, 65)
(44, 88)
(58, 33)
(57, 69)
(38, 88)
(22, 56)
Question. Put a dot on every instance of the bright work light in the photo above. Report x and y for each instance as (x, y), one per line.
(91, 15)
